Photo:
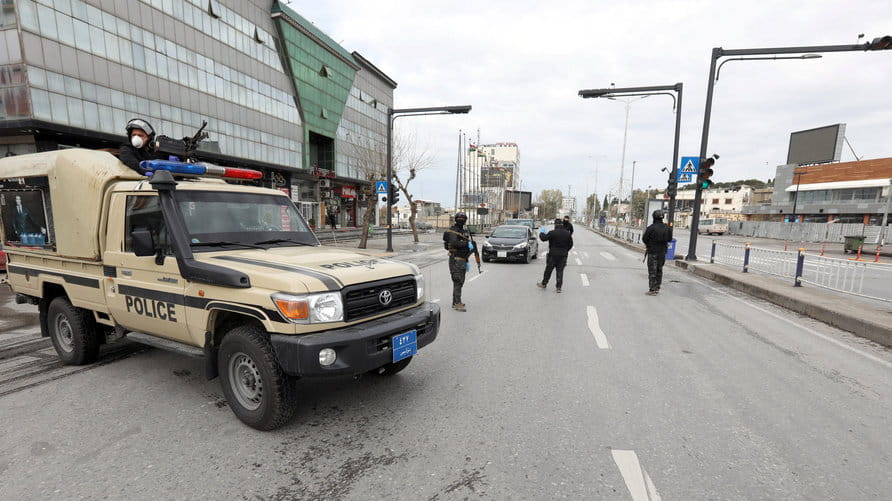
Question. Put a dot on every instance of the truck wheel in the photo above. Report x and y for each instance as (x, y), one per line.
(258, 392)
(392, 368)
(72, 332)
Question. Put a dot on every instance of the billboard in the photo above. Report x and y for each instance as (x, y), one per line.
(816, 146)
(516, 201)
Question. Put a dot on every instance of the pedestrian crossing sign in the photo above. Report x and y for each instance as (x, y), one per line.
(688, 169)
(381, 187)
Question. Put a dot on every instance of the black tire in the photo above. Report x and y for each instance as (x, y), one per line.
(485, 259)
(392, 368)
(259, 393)
(536, 254)
(528, 257)
(73, 332)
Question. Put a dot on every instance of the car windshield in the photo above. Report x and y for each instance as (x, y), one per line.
(504, 232)
(242, 219)
(521, 222)
(721, 221)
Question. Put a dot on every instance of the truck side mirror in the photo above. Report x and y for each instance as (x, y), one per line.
(143, 245)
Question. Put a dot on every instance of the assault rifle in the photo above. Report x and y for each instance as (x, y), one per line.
(476, 251)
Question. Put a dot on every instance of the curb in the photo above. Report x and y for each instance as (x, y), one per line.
(861, 320)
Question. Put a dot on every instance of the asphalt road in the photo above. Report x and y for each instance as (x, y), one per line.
(600, 392)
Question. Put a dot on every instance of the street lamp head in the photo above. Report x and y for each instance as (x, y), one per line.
(590, 93)
(458, 109)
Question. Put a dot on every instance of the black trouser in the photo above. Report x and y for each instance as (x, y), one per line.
(457, 269)
(556, 263)
(655, 262)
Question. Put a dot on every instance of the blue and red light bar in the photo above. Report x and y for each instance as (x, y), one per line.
(191, 169)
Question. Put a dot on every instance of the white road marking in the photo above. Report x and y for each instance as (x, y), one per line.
(608, 256)
(578, 262)
(584, 279)
(585, 254)
(475, 277)
(435, 300)
(813, 332)
(641, 487)
(600, 338)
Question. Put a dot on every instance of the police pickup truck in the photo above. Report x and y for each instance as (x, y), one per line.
(182, 259)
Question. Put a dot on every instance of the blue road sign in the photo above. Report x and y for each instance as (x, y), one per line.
(381, 187)
(689, 168)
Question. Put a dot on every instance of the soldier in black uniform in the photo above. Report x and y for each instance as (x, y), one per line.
(138, 147)
(568, 225)
(560, 241)
(456, 240)
(656, 237)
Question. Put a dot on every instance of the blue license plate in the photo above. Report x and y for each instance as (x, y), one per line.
(404, 345)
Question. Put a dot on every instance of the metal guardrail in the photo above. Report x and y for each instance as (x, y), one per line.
(850, 276)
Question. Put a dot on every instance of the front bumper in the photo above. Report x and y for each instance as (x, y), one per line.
(491, 253)
(360, 348)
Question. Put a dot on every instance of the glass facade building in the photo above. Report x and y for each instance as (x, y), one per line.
(73, 72)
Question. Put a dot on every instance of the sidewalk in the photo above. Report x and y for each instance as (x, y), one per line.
(864, 320)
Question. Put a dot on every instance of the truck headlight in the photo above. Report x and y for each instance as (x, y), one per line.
(419, 287)
(310, 308)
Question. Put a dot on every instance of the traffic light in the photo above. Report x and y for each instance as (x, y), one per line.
(880, 43)
(703, 177)
(393, 194)
(672, 188)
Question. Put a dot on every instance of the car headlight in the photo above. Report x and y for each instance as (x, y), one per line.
(486, 243)
(419, 287)
(522, 245)
(310, 308)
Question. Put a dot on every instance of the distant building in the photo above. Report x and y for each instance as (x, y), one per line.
(726, 203)
(848, 192)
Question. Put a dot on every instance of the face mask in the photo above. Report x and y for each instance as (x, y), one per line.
(136, 141)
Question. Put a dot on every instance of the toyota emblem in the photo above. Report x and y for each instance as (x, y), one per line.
(385, 297)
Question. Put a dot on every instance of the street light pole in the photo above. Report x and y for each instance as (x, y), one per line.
(651, 91)
(392, 115)
(882, 43)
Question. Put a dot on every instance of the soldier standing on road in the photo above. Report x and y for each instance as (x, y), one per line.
(656, 237)
(568, 225)
(457, 241)
(560, 241)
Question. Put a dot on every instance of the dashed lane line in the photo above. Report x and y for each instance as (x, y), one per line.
(608, 256)
(584, 278)
(640, 486)
(597, 333)
(578, 262)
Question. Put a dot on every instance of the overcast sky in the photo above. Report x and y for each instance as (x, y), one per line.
(521, 63)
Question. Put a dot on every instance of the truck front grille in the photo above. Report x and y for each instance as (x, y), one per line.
(364, 300)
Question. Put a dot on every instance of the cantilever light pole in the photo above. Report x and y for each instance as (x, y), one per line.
(392, 115)
(650, 91)
(880, 43)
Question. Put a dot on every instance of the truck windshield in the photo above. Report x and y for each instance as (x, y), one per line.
(242, 218)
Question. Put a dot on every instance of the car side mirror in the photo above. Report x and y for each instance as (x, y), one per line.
(143, 244)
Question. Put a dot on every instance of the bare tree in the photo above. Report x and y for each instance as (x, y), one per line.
(371, 163)
(408, 160)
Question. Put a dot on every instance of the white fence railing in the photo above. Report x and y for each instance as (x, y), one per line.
(851, 276)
